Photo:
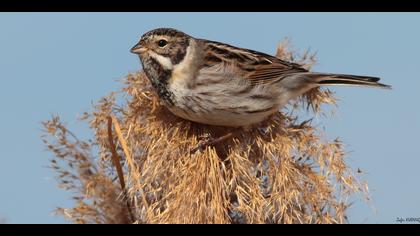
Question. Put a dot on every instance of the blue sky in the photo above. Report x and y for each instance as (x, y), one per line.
(60, 63)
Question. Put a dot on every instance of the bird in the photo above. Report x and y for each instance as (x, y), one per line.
(218, 84)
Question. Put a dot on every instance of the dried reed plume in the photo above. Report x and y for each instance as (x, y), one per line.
(138, 168)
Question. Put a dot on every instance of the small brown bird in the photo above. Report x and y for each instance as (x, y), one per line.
(218, 84)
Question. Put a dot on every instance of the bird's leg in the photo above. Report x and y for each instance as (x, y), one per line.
(211, 141)
(204, 137)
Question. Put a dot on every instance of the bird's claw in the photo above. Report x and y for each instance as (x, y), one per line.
(210, 142)
(204, 141)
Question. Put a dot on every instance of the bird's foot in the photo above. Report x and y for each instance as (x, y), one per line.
(207, 140)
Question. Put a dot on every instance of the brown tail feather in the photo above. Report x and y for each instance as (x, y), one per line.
(356, 80)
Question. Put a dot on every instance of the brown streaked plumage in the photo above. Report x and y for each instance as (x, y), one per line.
(219, 84)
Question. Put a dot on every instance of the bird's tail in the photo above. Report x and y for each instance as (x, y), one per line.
(341, 79)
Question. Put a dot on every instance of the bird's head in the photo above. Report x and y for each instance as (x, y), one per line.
(164, 46)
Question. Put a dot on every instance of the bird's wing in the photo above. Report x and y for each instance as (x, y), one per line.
(251, 66)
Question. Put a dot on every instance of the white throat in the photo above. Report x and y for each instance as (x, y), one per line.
(164, 61)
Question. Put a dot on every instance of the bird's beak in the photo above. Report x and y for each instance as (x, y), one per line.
(138, 49)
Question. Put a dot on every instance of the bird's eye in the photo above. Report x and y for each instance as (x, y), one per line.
(162, 43)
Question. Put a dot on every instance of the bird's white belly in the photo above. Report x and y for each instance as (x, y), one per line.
(224, 105)
(221, 118)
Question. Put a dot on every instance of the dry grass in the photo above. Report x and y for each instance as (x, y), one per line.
(281, 171)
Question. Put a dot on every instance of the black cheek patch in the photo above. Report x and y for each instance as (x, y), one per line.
(181, 51)
(178, 57)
